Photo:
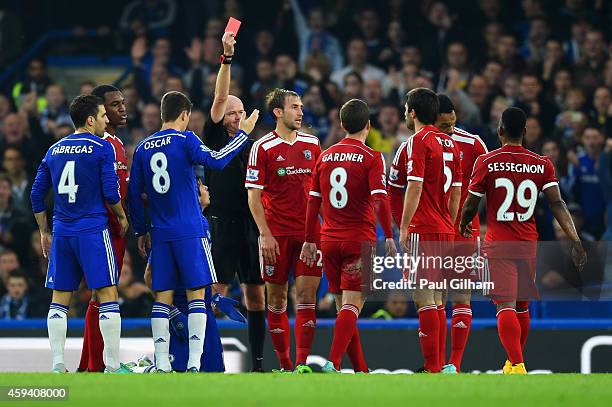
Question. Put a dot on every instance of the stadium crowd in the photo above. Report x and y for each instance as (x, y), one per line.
(553, 59)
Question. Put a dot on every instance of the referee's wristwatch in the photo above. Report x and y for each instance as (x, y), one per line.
(226, 59)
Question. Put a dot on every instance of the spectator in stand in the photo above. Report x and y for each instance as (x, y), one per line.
(197, 121)
(457, 60)
(316, 108)
(574, 46)
(435, 32)
(562, 83)
(353, 87)
(86, 87)
(368, 21)
(313, 37)
(552, 150)
(489, 131)
(512, 89)
(388, 134)
(491, 34)
(391, 54)
(15, 166)
(357, 56)
(132, 106)
(507, 55)
(373, 95)
(265, 83)
(151, 118)
(553, 60)
(533, 135)
(533, 104)
(56, 112)
(492, 72)
(286, 72)
(15, 226)
(601, 113)
(534, 49)
(36, 81)
(8, 262)
(395, 306)
(588, 71)
(16, 304)
(584, 180)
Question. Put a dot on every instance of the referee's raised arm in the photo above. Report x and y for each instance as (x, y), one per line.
(217, 111)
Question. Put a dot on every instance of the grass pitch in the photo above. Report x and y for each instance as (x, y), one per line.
(316, 390)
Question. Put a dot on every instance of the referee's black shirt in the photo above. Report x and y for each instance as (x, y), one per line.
(228, 196)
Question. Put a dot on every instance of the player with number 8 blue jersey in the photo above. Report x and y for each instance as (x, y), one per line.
(163, 169)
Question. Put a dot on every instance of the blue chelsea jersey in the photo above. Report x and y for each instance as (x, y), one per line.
(163, 169)
(81, 170)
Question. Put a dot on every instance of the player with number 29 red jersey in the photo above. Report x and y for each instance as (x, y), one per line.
(511, 177)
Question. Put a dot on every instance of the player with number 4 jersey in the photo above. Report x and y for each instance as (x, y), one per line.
(348, 186)
(163, 169)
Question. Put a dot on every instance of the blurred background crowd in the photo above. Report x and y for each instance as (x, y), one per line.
(552, 58)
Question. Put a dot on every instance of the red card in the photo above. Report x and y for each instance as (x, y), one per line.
(233, 25)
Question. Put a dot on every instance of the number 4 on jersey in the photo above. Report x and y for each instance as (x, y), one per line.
(67, 183)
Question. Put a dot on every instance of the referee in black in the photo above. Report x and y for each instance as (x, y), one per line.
(233, 231)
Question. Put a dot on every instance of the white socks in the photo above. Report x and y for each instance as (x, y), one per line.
(110, 327)
(160, 328)
(197, 331)
(57, 324)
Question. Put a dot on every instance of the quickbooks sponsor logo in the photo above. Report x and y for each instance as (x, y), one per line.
(281, 172)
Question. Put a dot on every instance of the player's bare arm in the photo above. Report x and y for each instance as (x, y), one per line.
(470, 208)
(117, 209)
(267, 243)
(45, 234)
(411, 203)
(217, 111)
(562, 215)
(453, 202)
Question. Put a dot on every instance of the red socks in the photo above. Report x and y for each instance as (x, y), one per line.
(509, 330)
(305, 324)
(429, 335)
(278, 324)
(355, 353)
(524, 319)
(460, 329)
(344, 329)
(442, 336)
(93, 343)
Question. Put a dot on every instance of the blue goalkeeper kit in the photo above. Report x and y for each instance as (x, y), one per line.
(163, 169)
(81, 170)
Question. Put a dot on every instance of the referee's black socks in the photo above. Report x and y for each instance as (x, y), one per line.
(257, 337)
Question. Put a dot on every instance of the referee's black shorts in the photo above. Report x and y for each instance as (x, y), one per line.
(235, 249)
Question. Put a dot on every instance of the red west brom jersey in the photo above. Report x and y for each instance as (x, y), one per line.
(433, 159)
(283, 170)
(470, 147)
(346, 177)
(511, 177)
(124, 176)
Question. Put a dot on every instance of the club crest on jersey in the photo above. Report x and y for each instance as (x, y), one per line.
(307, 154)
(269, 270)
(281, 172)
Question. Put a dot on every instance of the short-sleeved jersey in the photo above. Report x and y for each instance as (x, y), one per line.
(470, 147)
(122, 173)
(283, 170)
(433, 159)
(511, 177)
(163, 168)
(81, 169)
(346, 177)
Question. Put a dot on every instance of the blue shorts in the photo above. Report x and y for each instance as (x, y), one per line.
(212, 357)
(182, 263)
(72, 257)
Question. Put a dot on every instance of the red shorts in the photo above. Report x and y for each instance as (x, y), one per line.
(119, 249)
(344, 265)
(429, 250)
(288, 261)
(510, 279)
(468, 263)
